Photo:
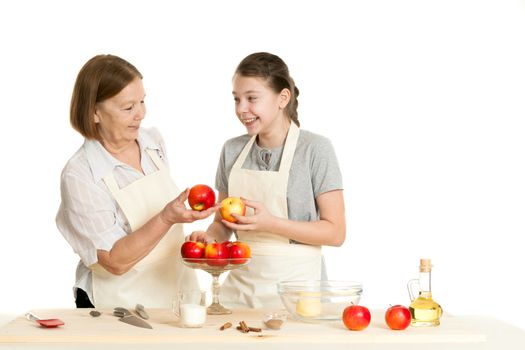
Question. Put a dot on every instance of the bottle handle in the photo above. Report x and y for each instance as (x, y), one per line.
(410, 288)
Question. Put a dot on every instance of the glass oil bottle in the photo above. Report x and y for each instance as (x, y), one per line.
(423, 309)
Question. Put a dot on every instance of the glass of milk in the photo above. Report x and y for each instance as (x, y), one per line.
(190, 307)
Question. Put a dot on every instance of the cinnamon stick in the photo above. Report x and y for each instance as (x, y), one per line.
(250, 329)
(244, 327)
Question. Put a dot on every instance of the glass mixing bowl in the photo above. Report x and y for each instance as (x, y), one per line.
(314, 301)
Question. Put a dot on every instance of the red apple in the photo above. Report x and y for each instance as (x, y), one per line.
(240, 252)
(397, 317)
(227, 244)
(201, 197)
(191, 250)
(216, 254)
(232, 205)
(356, 317)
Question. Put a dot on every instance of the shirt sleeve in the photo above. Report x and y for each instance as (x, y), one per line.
(87, 217)
(326, 175)
(221, 177)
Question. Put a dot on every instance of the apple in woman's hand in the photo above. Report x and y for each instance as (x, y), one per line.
(356, 317)
(201, 197)
(397, 317)
(232, 205)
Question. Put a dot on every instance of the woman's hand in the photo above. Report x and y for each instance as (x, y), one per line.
(261, 220)
(176, 212)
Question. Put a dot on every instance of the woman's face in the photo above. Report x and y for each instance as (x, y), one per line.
(119, 117)
(257, 106)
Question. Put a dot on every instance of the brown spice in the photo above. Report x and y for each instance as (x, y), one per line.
(250, 329)
(274, 324)
(244, 327)
(225, 326)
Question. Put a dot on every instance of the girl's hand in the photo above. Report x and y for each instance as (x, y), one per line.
(176, 212)
(261, 220)
(200, 236)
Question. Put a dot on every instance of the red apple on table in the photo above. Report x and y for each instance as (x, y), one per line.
(397, 317)
(232, 205)
(356, 317)
(239, 251)
(191, 250)
(201, 197)
(216, 254)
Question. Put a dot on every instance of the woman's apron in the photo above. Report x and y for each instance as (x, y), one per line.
(155, 280)
(274, 258)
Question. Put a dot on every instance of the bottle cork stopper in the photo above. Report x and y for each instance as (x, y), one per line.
(424, 265)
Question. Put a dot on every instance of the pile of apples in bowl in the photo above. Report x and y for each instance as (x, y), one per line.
(216, 254)
(315, 301)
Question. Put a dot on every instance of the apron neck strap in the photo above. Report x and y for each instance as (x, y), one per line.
(288, 151)
(110, 181)
(156, 159)
(244, 153)
(289, 148)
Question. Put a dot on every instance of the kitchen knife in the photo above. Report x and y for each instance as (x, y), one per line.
(135, 321)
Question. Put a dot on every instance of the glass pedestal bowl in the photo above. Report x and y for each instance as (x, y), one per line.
(215, 267)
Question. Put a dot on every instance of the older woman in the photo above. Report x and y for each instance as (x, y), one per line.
(120, 210)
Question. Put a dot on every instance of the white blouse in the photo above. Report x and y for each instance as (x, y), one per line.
(89, 218)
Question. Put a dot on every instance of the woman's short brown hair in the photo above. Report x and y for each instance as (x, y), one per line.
(102, 77)
(275, 72)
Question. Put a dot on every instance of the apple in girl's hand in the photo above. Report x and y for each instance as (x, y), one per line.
(201, 197)
(240, 252)
(397, 317)
(232, 205)
(191, 250)
(356, 317)
(216, 254)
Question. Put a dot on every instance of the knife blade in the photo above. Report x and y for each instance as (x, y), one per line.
(135, 321)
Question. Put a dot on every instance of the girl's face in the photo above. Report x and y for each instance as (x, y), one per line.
(119, 117)
(257, 106)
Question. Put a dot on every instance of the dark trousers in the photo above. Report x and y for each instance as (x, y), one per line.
(82, 300)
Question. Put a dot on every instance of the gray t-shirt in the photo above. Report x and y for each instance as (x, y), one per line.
(314, 170)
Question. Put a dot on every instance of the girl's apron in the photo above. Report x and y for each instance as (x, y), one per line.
(274, 258)
(155, 280)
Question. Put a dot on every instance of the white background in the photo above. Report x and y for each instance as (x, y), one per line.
(423, 101)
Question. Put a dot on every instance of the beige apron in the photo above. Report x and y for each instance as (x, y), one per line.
(274, 258)
(155, 280)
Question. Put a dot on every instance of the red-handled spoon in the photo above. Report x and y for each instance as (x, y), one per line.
(49, 323)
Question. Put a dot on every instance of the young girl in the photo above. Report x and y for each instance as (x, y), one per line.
(289, 180)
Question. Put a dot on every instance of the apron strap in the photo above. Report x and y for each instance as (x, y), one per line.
(110, 181)
(244, 153)
(289, 148)
(156, 159)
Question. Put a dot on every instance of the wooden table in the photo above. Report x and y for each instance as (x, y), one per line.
(82, 331)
